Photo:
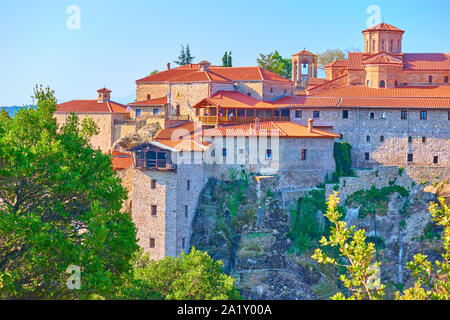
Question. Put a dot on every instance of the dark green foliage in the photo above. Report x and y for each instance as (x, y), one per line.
(227, 60)
(274, 62)
(305, 227)
(193, 276)
(379, 242)
(185, 56)
(374, 200)
(62, 205)
(343, 158)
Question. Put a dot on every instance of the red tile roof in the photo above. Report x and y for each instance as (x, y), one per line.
(426, 61)
(337, 64)
(234, 99)
(91, 106)
(382, 102)
(185, 144)
(304, 53)
(382, 58)
(121, 160)
(177, 132)
(148, 103)
(383, 27)
(405, 92)
(283, 129)
(191, 73)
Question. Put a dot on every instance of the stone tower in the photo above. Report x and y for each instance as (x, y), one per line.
(383, 37)
(303, 60)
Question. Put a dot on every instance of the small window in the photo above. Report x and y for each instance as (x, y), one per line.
(367, 138)
(410, 157)
(138, 113)
(186, 211)
(436, 160)
(372, 115)
(152, 243)
(396, 83)
(368, 83)
(430, 79)
(424, 139)
(298, 114)
(344, 114)
(341, 137)
(224, 152)
(382, 84)
(155, 112)
(383, 115)
(423, 115)
(382, 45)
(367, 156)
(285, 91)
(316, 114)
(409, 139)
(153, 186)
(271, 90)
(448, 116)
(381, 138)
(154, 210)
(446, 79)
(249, 94)
(404, 115)
(269, 154)
(303, 154)
(148, 97)
(188, 185)
(241, 151)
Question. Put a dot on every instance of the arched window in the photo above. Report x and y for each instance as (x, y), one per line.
(368, 83)
(148, 97)
(391, 49)
(382, 84)
(382, 45)
(409, 139)
(382, 139)
(373, 47)
(430, 79)
(446, 79)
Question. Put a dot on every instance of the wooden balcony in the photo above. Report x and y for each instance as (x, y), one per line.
(214, 120)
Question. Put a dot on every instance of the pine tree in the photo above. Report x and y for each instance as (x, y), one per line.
(225, 59)
(230, 60)
(188, 56)
(181, 58)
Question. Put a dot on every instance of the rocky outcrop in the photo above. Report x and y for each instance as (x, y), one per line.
(144, 134)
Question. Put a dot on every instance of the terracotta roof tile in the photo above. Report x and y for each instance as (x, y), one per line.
(283, 129)
(304, 52)
(383, 27)
(177, 132)
(406, 92)
(91, 106)
(152, 102)
(218, 74)
(121, 160)
(233, 99)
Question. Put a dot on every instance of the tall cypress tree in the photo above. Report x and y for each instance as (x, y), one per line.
(230, 60)
(181, 58)
(188, 56)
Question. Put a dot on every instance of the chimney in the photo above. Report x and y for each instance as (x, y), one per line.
(104, 94)
(203, 66)
(310, 125)
(168, 65)
(257, 124)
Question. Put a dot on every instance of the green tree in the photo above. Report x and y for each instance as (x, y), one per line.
(274, 62)
(230, 60)
(356, 257)
(61, 206)
(225, 59)
(185, 56)
(432, 281)
(329, 56)
(154, 72)
(193, 276)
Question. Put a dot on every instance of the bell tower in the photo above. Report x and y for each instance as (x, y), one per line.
(304, 67)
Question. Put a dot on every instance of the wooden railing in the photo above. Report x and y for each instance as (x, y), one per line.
(152, 164)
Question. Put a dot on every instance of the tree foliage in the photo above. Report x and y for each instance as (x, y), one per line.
(357, 257)
(193, 276)
(185, 56)
(274, 62)
(61, 206)
(227, 60)
(329, 56)
(432, 279)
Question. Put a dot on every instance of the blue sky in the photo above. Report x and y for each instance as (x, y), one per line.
(120, 41)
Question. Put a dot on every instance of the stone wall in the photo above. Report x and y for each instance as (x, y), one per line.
(409, 178)
(387, 125)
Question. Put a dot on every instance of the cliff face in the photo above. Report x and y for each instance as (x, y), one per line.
(248, 230)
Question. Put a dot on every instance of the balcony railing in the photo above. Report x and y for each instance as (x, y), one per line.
(213, 120)
(152, 164)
